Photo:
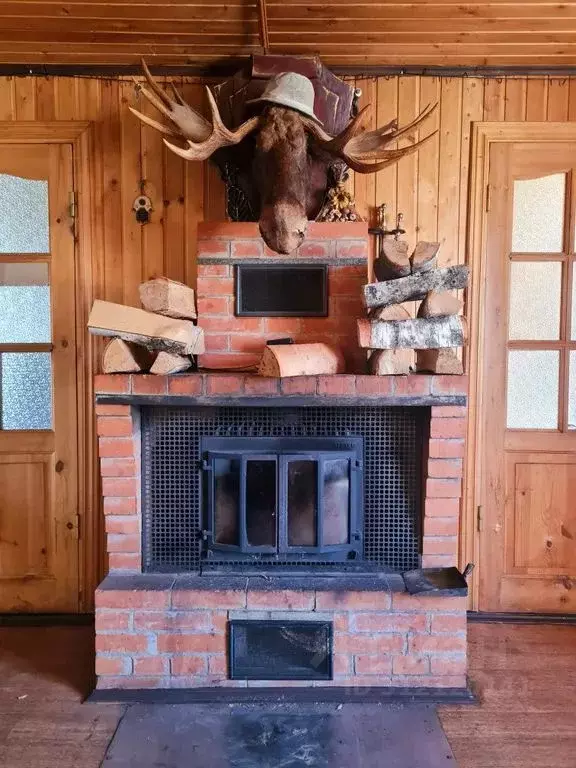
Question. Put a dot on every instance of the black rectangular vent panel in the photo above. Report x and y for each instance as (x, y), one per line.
(281, 290)
(280, 650)
(172, 475)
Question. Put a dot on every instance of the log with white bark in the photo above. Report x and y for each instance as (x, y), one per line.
(122, 357)
(439, 304)
(415, 286)
(392, 362)
(423, 258)
(444, 361)
(393, 261)
(149, 330)
(284, 360)
(393, 312)
(169, 298)
(167, 363)
(419, 333)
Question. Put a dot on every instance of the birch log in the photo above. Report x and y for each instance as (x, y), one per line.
(392, 362)
(444, 361)
(122, 357)
(285, 360)
(393, 312)
(431, 333)
(415, 286)
(393, 261)
(169, 298)
(167, 363)
(151, 331)
(424, 257)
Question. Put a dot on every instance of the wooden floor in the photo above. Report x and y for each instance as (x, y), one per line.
(525, 677)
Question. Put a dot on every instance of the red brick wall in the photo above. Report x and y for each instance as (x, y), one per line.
(177, 638)
(239, 341)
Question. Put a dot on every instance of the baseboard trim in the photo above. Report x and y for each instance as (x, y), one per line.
(335, 695)
(46, 619)
(477, 617)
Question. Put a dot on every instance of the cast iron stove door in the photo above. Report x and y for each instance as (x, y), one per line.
(283, 499)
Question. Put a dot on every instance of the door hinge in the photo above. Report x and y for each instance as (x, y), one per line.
(479, 518)
(72, 205)
(487, 208)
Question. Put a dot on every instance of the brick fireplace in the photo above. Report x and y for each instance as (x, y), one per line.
(165, 624)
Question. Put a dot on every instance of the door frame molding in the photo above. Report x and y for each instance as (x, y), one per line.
(81, 135)
(484, 135)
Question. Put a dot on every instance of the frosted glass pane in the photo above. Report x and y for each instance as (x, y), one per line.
(23, 215)
(535, 289)
(26, 390)
(532, 389)
(24, 304)
(538, 214)
(572, 393)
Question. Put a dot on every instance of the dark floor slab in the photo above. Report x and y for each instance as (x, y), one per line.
(280, 736)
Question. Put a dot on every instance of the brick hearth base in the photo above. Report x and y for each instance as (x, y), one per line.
(169, 631)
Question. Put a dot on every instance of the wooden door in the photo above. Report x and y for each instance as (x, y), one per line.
(528, 518)
(38, 404)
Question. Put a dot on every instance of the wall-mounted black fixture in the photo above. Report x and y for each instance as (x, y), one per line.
(281, 290)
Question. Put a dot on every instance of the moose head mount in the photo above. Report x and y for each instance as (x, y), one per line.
(284, 159)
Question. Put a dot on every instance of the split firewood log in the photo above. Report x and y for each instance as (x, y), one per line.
(424, 256)
(149, 330)
(169, 298)
(393, 261)
(167, 363)
(415, 286)
(121, 357)
(392, 312)
(444, 361)
(392, 362)
(439, 304)
(418, 333)
(284, 360)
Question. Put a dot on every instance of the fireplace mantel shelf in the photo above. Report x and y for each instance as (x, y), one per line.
(248, 389)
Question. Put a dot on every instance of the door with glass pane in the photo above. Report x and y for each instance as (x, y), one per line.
(528, 516)
(38, 405)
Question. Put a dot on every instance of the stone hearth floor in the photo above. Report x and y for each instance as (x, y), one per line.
(279, 736)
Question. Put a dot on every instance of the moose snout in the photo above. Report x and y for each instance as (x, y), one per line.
(283, 227)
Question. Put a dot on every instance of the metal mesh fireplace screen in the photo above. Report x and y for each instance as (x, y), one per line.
(171, 475)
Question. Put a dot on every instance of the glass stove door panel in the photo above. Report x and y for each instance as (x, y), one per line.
(224, 494)
(259, 504)
(302, 497)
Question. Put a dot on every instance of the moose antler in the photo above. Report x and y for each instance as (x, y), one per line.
(358, 151)
(203, 137)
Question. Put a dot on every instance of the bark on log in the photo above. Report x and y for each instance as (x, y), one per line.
(167, 363)
(393, 261)
(392, 362)
(439, 304)
(393, 312)
(141, 327)
(430, 333)
(121, 357)
(169, 298)
(284, 360)
(424, 257)
(444, 361)
(415, 286)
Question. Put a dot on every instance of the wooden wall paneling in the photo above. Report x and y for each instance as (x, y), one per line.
(365, 184)
(449, 169)
(7, 111)
(572, 99)
(387, 179)
(407, 173)
(174, 209)
(194, 186)
(472, 111)
(153, 178)
(494, 99)
(65, 98)
(428, 161)
(110, 138)
(537, 99)
(558, 95)
(130, 176)
(25, 98)
(515, 99)
(45, 100)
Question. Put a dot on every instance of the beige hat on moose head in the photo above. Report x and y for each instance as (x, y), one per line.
(290, 90)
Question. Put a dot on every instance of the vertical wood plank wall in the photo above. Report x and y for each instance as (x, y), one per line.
(430, 189)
